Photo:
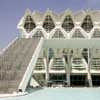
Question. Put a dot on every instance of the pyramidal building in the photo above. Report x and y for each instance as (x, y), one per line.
(53, 50)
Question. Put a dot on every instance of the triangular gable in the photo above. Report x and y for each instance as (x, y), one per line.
(58, 34)
(38, 34)
(77, 34)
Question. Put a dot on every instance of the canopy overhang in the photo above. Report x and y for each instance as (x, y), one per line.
(72, 43)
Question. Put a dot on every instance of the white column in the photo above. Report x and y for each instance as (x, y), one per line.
(89, 67)
(47, 70)
(69, 68)
(65, 66)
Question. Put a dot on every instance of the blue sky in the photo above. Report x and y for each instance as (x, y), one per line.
(12, 10)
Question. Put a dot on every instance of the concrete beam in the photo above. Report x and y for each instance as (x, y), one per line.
(72, 43)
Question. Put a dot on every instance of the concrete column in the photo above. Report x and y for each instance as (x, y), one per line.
(89, 67)
(69, 68)
(47, 70)
(65, 66)
(46, 63)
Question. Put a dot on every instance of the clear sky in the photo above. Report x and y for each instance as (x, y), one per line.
(12, 10)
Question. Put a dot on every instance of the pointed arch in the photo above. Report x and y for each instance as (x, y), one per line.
(29, 24)
(68, 24)
(38, 34)
(58, 34)
(48, 23)
(87, 24)
(77, 34)
(96, 33)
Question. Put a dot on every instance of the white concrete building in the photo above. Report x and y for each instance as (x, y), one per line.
(53, 49)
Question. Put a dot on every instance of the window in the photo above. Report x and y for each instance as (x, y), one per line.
(87, 24)
(68, 23)
(48, 24)
(29, 24)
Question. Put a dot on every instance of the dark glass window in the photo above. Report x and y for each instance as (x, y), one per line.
(68, 23)
(48, 24)
(87, 24)
(29, 24)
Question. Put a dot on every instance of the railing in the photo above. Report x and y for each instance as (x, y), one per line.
(30, 67)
